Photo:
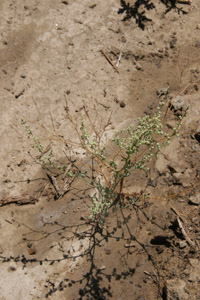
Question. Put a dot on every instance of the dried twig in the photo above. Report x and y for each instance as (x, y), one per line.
(190, 242)
(105, 106)
(154, 277)
(177, 213)
(110, 61)
(18, 200)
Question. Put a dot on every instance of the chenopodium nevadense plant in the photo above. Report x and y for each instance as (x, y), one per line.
(135, 148)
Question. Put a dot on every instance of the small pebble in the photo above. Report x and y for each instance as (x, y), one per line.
(173, 42)
(195, 200)
(138, 66)
(32, 250)
(182, 244)
(107, 251)
(11, 268)
(122, 104)
(123, 39)
(177, 103)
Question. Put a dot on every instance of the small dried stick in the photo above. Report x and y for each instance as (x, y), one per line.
(177, 213)
(190, 242)
(110, 61)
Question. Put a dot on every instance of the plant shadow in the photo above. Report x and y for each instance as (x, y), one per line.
(138, 10)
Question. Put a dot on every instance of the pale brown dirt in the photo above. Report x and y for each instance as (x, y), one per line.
(50, 52)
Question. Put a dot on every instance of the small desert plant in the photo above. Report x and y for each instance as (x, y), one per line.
(132, 148)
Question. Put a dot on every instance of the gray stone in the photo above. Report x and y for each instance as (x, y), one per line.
(175, 289)
(178, 103)
(194, 270)
(175, 167)
(185, 183)
(178, 176)
(138, 66)
(182, 244)
(195, 200)
(161, 164)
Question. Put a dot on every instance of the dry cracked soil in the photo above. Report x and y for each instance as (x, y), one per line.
(58, 55)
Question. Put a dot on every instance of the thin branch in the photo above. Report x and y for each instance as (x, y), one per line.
(110, 61)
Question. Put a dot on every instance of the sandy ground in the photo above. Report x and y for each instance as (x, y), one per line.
(50, 53)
